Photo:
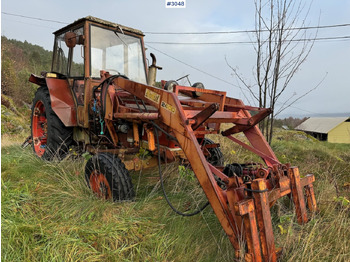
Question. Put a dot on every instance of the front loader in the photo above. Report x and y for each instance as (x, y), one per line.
(100, 97)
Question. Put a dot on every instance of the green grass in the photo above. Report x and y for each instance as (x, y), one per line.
(48, 213)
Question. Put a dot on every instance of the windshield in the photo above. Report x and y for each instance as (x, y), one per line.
(116, 53)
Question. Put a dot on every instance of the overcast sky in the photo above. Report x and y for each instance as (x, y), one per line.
(329, 59)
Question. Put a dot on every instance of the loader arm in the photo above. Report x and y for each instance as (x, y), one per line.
(172, 115)
(241, 208)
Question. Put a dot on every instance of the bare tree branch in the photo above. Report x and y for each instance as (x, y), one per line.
(242, 81)
(278, 56)
(303, 95)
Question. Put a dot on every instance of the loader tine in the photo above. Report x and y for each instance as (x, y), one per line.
(298, 195)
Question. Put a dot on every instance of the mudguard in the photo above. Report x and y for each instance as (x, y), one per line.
(62, 99)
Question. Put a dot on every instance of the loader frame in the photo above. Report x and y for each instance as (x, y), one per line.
(242, 208)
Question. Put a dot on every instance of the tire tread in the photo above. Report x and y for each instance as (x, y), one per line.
(59, 137)
(116, 173)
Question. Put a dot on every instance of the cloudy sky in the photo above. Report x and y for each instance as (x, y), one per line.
(327, 66)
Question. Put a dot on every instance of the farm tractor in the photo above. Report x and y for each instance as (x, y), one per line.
(101, 97)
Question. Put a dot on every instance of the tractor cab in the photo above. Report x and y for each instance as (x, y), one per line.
(89, 45)
(85, 53)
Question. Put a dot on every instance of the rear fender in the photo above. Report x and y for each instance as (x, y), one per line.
(62, 98)
(38, 80)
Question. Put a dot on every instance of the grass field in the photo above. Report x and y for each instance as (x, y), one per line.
(48, 213)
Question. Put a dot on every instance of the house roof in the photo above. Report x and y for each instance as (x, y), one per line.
(321, 124)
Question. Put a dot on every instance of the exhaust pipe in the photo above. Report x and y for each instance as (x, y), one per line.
(152, 71)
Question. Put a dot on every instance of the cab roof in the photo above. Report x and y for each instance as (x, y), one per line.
(99, 21)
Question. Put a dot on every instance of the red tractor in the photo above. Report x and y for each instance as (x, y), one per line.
(100, 97)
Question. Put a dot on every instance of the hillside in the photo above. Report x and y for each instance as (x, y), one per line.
(18, 61)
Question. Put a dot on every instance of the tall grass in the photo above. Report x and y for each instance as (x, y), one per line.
(49, 214)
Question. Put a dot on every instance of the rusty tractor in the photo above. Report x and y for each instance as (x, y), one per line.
(100, 96)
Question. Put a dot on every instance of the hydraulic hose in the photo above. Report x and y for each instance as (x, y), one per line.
(156, 127)
(163, 188)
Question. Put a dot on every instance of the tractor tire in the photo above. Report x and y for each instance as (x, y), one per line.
(51, 138)
(200, 86)
(216, 158)
(108, 178)
(169, 85)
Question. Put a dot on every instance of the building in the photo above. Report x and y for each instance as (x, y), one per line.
(331, 129)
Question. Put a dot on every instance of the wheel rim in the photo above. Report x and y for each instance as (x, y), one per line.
(39, 128)
(100, 185)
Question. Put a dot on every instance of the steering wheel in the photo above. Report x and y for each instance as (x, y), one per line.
(113, 70)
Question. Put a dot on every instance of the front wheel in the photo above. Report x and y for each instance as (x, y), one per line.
(108, 178)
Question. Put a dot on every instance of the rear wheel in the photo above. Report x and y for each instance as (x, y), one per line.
(51, 138)
(215, 156)
(108, 178)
